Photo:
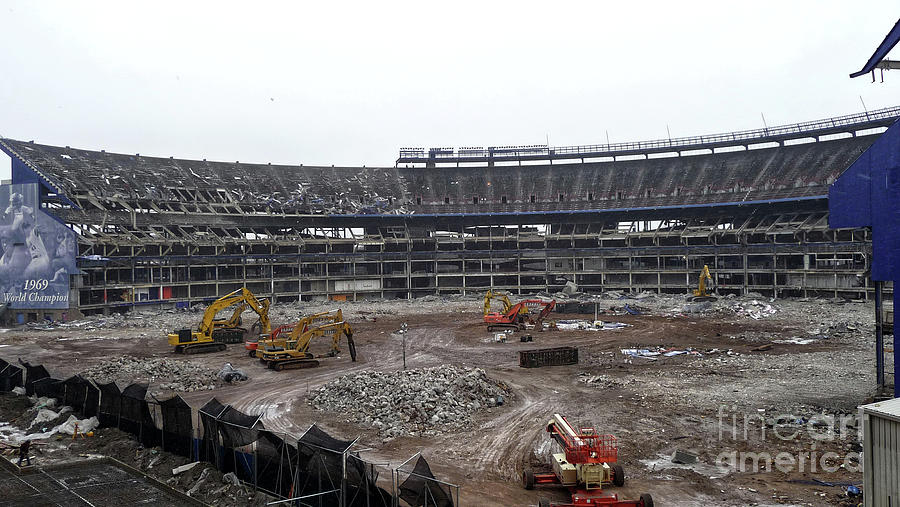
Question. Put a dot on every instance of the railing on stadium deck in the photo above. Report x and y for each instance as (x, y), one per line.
(796, 130)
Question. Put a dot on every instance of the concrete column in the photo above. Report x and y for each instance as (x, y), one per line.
(879, 336)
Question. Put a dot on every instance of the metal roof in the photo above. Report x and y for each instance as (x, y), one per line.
(889, 409)
(883, 49)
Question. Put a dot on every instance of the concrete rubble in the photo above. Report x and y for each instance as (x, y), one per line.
(584, 325)
(420, 402)
(177, 375)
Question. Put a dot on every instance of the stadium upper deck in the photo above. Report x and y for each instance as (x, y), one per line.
(104, 181)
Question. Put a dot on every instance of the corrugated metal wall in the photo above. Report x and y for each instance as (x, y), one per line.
(882, 462)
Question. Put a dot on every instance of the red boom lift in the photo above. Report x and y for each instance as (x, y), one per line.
(587, 463)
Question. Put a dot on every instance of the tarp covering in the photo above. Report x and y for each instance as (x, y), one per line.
(75, 392)
(420, 489)
(33, 374)
(10, 376)
(49, 387)
(237, 427)
(318, 438)
(110, 404)
(177, 426)
(210, 450)
(135, 415)
(276, 464)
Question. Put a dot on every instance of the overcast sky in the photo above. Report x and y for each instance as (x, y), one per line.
(349, 84)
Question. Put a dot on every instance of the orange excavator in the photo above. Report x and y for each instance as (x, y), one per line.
(519, 315)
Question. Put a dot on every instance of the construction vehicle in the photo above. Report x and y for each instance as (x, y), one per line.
(209, 336)
(519, 315)
(299, 356)
(282, 336)
(701, 293)
(490, 295)
(587, 464)
(228, 330)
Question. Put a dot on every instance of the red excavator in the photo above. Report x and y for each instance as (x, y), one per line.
(587, 463)
(518, 315)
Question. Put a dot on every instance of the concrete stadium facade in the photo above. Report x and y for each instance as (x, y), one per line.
(631, 217)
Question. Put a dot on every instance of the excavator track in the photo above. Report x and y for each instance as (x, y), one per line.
(200, 348)
(293, 364)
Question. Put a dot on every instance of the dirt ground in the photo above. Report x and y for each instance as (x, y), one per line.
(693, 402)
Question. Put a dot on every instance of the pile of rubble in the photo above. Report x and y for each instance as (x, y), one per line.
(426, 402)
(167, 373)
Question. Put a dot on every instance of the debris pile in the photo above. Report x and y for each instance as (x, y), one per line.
(421, 402)
(168, 373)
(584, 325)
(754, 309)
(653, 354)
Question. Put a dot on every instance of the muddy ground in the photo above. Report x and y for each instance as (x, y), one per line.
(693, 402)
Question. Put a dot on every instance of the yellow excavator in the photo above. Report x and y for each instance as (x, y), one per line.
(285, 336)
(299, 356)
(210, 336)
(490, 295)
(702, 293)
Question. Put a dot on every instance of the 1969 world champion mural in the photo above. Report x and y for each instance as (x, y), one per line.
(38, 252)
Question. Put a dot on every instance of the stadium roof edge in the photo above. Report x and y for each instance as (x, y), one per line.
(815, 129)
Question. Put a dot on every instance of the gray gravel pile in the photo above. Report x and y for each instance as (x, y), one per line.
(164, 373)
(427, 401)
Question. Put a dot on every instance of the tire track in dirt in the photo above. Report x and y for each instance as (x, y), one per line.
(507, 440)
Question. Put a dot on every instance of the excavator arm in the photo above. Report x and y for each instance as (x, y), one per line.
(244, 298)
(314, 320)
(545, 311)
(287, 335)
(490, 295)
(235, 319)
(335, 330)
(701, 286)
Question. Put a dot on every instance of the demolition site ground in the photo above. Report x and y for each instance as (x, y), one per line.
(742, 377)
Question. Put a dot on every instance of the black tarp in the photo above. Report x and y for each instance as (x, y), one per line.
(237, 430)
(360, 487)
(176, 426)
(135, 415)
(49, 387)
(91, 400)
(420, 489)
(320, 466)
(210, 450)
(276, 464)
(110, 404)
(75, 393)
(33, 374)
(10, 376)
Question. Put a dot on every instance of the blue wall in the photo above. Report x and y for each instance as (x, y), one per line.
(867, 194)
